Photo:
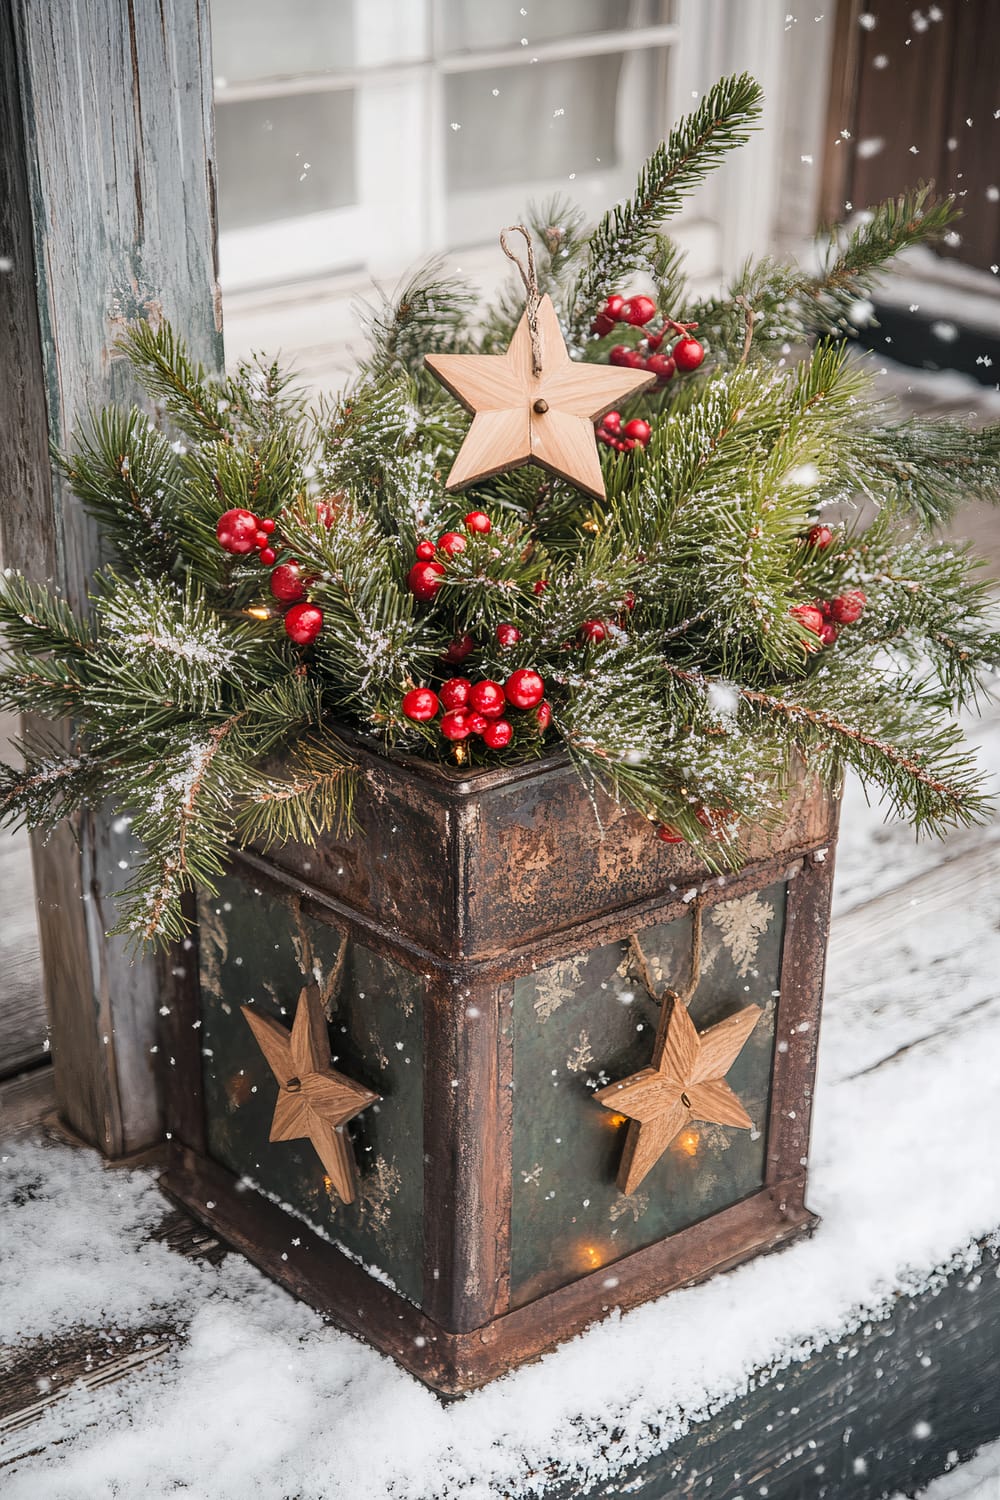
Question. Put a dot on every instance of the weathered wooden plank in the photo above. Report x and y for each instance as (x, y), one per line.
(25, 1100)
(884, 1409)
(110, 204)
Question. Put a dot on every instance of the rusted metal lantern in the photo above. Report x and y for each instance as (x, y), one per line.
(487, 947)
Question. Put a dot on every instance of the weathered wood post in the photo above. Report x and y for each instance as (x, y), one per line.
(107, 213)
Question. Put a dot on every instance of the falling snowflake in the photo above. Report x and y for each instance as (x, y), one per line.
(742, 925)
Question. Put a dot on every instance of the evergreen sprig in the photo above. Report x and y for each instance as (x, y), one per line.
(621, 244)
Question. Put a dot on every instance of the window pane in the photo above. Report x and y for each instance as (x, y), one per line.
(254, 39)
(284, 157)
(503, 23)
(547, 123)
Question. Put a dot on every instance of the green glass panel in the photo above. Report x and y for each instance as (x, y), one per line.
(588, 1021)
(259, 950)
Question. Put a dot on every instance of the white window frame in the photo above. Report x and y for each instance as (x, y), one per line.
(402, 216)
(403, 211)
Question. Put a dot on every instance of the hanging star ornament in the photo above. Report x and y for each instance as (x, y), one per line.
(533, 405)
(685, 1082)
(314, 1101)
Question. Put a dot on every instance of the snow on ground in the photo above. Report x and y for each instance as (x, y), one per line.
(979, 1479)
(262, 1401)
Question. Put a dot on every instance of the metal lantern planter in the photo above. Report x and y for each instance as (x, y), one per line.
(485, 949)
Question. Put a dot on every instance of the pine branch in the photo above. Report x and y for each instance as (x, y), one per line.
(930, 466)
(428, 311)
(127, 475)
(930, 779)
(621, 243)
(313, 796)
(51, 783)
(34, 620)
(193, 400)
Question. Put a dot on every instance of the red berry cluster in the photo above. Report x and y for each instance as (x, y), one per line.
(686, 354)
(825, 616)
(635, 434)
(424, 578)
(479, 707)
(241, 532)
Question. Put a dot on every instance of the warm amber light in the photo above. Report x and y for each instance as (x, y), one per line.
(259, 612)
(617, 1120)
(328, 1184)
(591, 1257)
(688, 1142)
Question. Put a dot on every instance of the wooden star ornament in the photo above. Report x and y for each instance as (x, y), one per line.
(685, 1082)
(523, 417)
(314, 1101)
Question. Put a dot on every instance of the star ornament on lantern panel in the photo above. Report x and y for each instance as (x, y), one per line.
(685, 1082)
(523, 418)
(314, 1101)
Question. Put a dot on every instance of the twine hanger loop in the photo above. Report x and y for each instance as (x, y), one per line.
(532, 294)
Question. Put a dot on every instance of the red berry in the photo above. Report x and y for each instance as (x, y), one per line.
(543, 716)
(425, 550)
(629, 601)
(593, 630)
(847, 608)
(487, 698)
(613, 306)
(629, 359)
(303, 623)
(498, 734)
(654, 340)
(424, 579)
(286, 583)
(663, 366)
(524, 688)
(237, 531)
(612, 422)
(477, 722)
(508, 635)
(478, 520)
(326, 510)
(688, 353)
(267, 556)
(669, 834)
(639, 431)
(455, 692)
(808, 617)
(638, 311)
(451, 542)
(420, 704)
(824, 606)
(455, 726)
(461, 647)
(267, 526)
(540, 585)
(828, 634)
(602, 325)
(820, 537)
(260, 540)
